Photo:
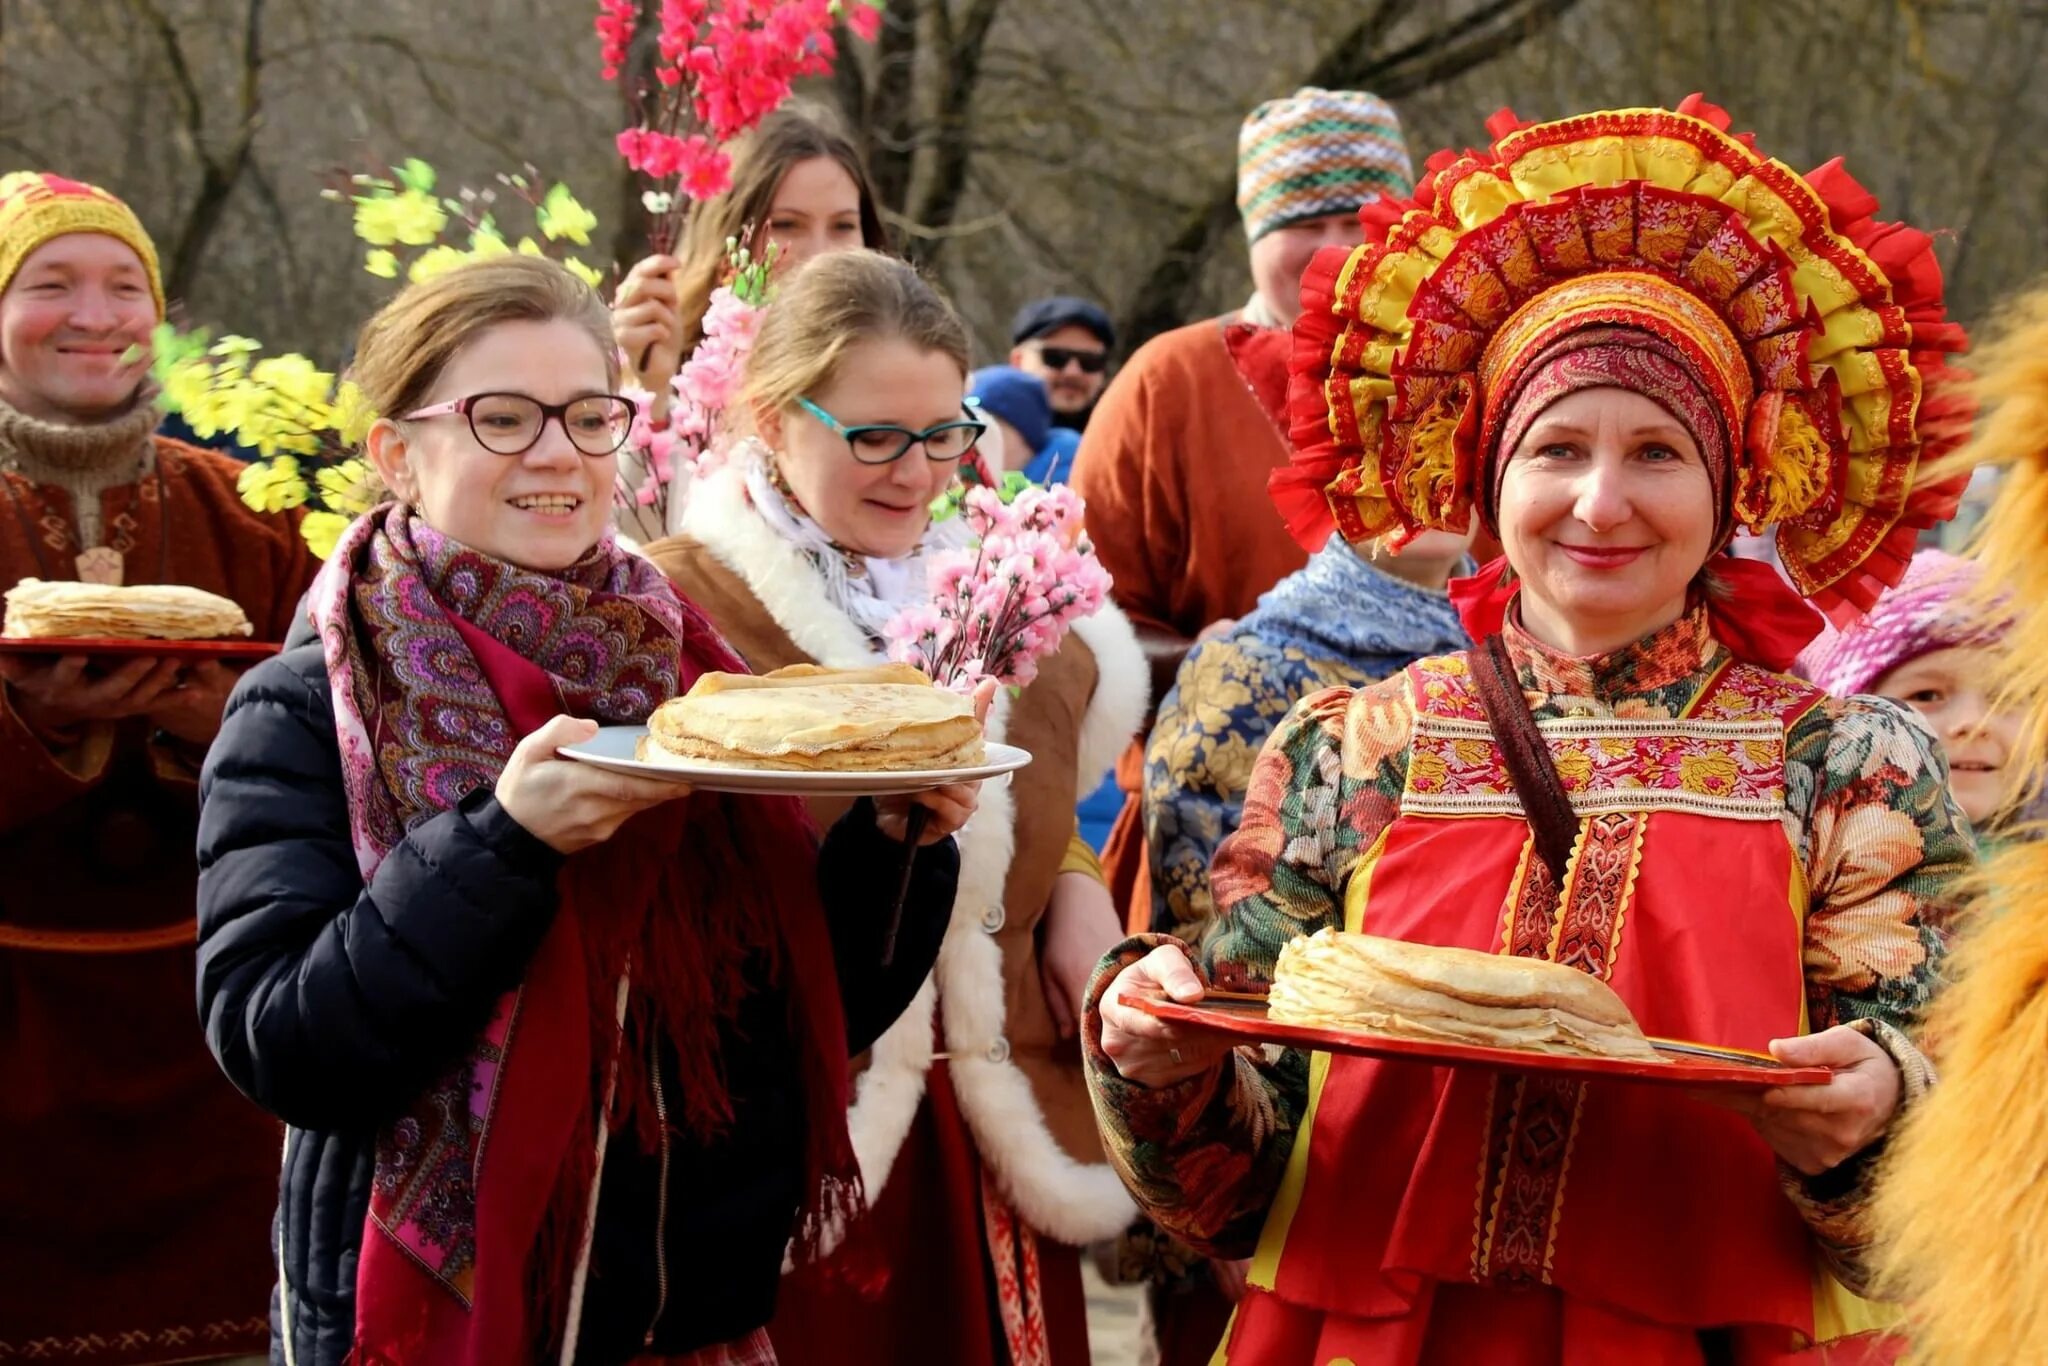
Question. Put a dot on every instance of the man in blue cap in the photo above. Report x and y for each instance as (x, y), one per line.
(1066, 342)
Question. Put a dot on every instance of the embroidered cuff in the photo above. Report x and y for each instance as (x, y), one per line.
(1835, 1204)
(1176, 1096)
(1916, 1073)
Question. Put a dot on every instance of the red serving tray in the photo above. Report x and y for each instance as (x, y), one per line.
(154, 649)
(1697, 1066)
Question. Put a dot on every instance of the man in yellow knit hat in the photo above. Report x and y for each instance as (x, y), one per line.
(136, 1185)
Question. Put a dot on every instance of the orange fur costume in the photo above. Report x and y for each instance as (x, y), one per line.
(1963, 1206)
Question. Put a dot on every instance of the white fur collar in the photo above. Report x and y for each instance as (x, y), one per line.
(1067, 1200)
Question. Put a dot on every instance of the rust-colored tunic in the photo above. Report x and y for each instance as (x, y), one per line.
(136, 1184)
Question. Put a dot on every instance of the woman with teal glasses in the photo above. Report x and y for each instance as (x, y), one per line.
(970, 1116)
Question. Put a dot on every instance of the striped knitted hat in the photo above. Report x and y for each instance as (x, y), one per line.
(1318, 152)
(36, 206)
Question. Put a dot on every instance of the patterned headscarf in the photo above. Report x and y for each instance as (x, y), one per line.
(1930, 610)
(1755, 613)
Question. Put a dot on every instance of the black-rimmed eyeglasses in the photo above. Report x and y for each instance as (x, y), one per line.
(511, 424)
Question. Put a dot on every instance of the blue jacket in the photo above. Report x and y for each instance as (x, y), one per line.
(332, 1004)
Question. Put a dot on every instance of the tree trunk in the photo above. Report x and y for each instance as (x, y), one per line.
(218, 175)
(892, 104)
(959, 73)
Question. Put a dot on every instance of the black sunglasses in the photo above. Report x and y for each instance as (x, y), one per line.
(1060, 357)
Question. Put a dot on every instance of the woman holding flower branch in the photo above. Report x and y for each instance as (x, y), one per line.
(817, 543)
(799, 189)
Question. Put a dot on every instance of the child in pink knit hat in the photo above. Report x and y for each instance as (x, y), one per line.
(1928, 645)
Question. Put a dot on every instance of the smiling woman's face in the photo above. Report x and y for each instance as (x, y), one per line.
(543, 508)
(1606, 514)
(815, 209)
(879, 510)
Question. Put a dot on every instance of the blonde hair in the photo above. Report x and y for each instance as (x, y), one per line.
(799, 131)
(404, 347)
(835, 303)
(1962, 1201)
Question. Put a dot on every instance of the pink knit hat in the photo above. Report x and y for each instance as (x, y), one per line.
(1930, 610)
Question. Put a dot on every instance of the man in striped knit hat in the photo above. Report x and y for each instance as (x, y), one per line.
(1174, 462)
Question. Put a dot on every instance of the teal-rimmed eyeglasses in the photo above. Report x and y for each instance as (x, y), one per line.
(881, 443)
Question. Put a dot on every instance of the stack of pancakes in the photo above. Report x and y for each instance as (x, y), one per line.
(1418, 991)
(37, 610)
(889, 718)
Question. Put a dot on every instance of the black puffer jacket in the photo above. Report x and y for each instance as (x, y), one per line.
(332, 1005)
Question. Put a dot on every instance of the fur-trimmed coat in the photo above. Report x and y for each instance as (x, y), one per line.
(1020, 1087)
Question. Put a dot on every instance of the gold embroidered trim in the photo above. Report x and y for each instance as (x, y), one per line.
(1733, 769)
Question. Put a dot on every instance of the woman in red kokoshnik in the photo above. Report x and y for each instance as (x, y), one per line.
(1615, 340)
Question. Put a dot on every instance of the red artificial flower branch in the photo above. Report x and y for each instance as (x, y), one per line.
(723, 66)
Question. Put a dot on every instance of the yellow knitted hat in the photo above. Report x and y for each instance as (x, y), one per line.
(36, 206)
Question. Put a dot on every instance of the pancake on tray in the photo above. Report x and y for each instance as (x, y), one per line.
(37, 610)
(1331, 980)
(889, 718)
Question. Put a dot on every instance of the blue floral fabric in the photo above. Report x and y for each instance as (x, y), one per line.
(1337, 622)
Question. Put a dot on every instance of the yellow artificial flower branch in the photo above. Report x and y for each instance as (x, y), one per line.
(303, 423)
(408, 231)
(306, 425)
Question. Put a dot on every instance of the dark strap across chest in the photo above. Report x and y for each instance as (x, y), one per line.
(1528, 759)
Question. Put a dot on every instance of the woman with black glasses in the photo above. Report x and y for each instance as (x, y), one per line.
(562, 1052)
(970, 1118)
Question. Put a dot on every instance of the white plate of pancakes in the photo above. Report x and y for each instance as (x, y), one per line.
(808, 731)
(613, 747)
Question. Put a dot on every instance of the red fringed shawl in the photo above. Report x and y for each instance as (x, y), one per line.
(439, 660)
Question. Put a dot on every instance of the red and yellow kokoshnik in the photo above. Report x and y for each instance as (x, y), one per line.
(1818, 331)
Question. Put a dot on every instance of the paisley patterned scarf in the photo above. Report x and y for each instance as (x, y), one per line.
(440, 659)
